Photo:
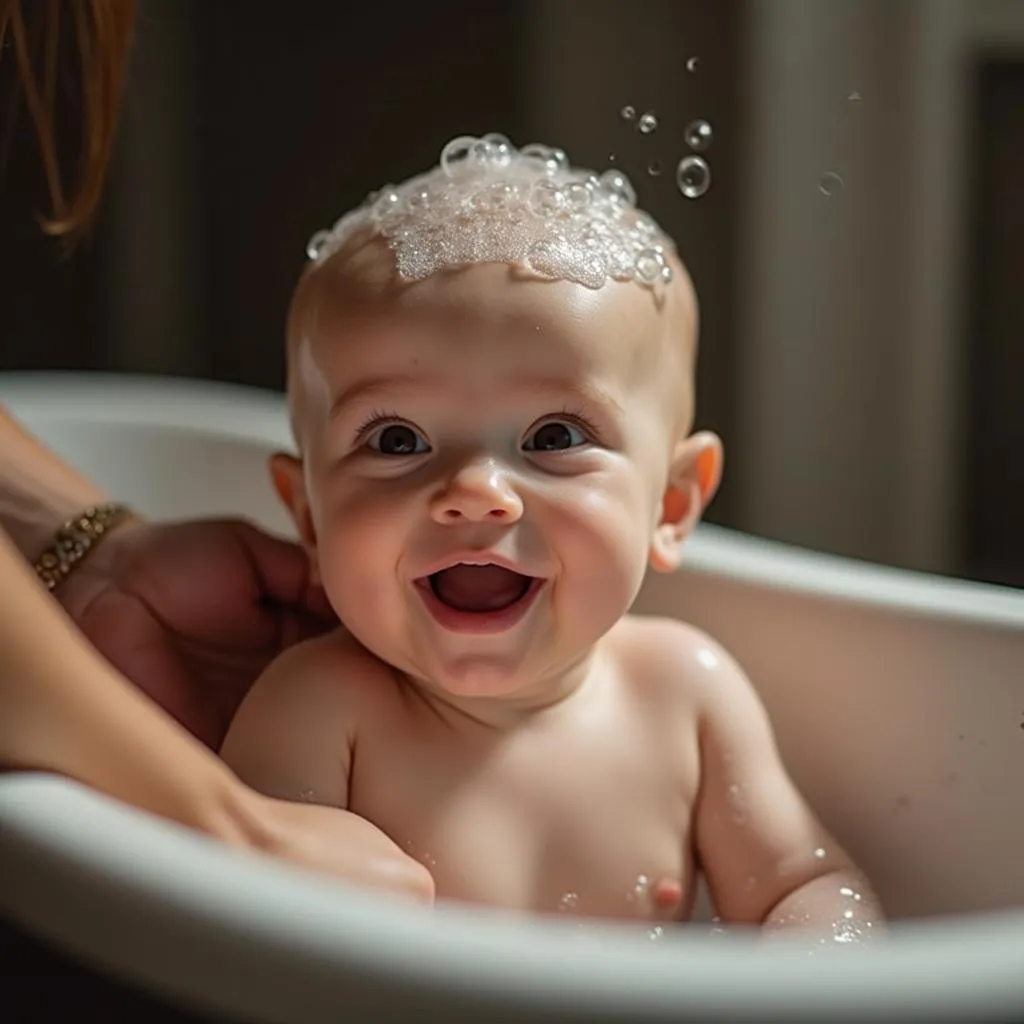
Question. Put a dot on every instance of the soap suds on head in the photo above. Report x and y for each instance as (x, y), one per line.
(488, 202)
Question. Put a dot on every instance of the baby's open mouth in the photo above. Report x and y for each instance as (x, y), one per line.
(479, 588)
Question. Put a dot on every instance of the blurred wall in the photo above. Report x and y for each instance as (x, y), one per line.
(837, 255)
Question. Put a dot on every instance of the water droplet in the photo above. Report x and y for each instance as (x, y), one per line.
(307, 795)
(738, 802)
(568, 902)
(693, 176)
(819, 853)
(691, 64)
(830, 183)
(642, 884)
(656, 933)
(699, 135)
(850, 894)
(611, 158)
(628, 113)
(707, 657)
(647, 123)
(848, 914)
(654, 168)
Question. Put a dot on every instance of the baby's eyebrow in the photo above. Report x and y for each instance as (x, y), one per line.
(588, 391)
(370, 387)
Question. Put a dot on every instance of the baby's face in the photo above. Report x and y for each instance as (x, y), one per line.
(485, 462)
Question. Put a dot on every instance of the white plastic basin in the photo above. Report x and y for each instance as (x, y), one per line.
(898, 700)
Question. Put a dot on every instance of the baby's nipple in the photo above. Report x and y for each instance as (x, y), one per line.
(667, 893)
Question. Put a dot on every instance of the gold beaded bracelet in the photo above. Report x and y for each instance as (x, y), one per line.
(75, 539)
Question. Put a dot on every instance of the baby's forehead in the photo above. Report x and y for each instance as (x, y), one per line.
(358, 296)
(487, 201)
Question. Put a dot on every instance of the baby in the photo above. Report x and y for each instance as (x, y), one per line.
(491, 384)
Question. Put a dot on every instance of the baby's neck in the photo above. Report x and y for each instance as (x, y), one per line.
(535, 699)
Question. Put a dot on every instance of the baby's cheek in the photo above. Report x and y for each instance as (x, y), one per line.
(608, 544)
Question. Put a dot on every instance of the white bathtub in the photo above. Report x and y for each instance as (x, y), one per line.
(898, 700)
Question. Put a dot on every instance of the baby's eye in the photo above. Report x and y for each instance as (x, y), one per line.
(555, 436)
(397, 439)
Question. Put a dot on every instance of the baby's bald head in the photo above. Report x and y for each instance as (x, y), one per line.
(494, 234)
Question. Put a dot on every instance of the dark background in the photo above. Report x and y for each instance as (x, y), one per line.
(246, 128)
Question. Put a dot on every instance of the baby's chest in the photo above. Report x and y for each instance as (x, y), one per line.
(585, 824)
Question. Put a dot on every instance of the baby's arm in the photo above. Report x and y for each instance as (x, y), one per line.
(767, 858)
(293, 735)
(292, 739)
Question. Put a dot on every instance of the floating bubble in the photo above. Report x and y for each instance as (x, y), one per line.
(819, 853)
(691, 64)
(568, 902)
(656, 933)
(830, 183)
(698, 135)
(655, 167)
(628, 113)
(693, 176)
(854, 97)
(647, 123)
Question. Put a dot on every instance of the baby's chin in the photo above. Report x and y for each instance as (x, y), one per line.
(475, 677)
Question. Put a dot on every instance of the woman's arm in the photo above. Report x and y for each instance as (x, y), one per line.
(65, 710)
(38, 490)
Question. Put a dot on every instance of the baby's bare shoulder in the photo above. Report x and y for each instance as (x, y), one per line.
(673, 659)
(295, 731)
(333, 667)
(316, 684)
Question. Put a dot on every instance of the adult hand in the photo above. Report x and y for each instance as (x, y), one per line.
(192, 612)
(338, 843)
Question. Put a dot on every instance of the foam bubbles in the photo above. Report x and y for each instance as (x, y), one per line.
(487, 201)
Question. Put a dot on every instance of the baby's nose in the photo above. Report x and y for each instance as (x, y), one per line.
(480, 491)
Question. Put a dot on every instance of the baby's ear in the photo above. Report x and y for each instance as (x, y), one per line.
(289, 482)
(694, 475)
